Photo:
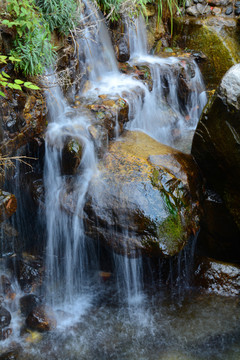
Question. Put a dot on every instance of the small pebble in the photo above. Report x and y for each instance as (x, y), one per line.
(237, 4)
(229, 10)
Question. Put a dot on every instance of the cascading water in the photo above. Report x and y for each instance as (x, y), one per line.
(156, 112)
(68, 261)
(197, 329)
(164, 116)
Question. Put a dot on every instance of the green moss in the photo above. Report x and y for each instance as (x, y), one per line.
(74, 147)
(217, 41)
(172, 230)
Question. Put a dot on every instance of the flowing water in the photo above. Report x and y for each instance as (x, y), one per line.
(118, 315)
(163, 112)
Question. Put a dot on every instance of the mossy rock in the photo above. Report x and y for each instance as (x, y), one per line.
(217, 38)
(143, 199)
(71, 156)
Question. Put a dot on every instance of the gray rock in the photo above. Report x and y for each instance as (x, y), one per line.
(216, 148)
(229, 10)
(188, 3)
(192, 11)
(230, 86)
(203, 9)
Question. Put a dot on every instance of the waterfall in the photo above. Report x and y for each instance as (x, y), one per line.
(68, 259)
(71, 257)
(164, 116)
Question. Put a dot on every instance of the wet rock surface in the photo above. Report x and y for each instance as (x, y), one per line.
(141, 198)
(219, 278)
(8, 205)
(5, 317)
(71, 156)
(216, 150)
(41, 319)
(23, 118)
(28, 303)
(29, 271)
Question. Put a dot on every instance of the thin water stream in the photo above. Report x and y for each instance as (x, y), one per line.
(118, 315)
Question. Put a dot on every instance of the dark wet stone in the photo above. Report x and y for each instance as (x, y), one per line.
(7, 287)
(123, 51)
(237, 11)
(12, 352)
(217, 151)
(229, 10)
(41, 319)
(28, 303)
(218, 277)
(29, 270)
(71, 156)
(5, 317)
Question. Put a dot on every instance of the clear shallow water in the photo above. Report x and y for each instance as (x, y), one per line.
(162, 327)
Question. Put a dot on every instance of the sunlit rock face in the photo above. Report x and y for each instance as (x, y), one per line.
(143, 199)
(216, 148)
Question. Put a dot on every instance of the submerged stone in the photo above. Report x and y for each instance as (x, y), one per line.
(142, 199)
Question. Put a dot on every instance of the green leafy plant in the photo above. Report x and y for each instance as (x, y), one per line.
(169, 7)
(114, 9)
(32, 42)
(61, 15)
(17, 83)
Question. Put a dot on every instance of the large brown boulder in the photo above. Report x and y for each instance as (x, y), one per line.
(143, 199)
(216, 149)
